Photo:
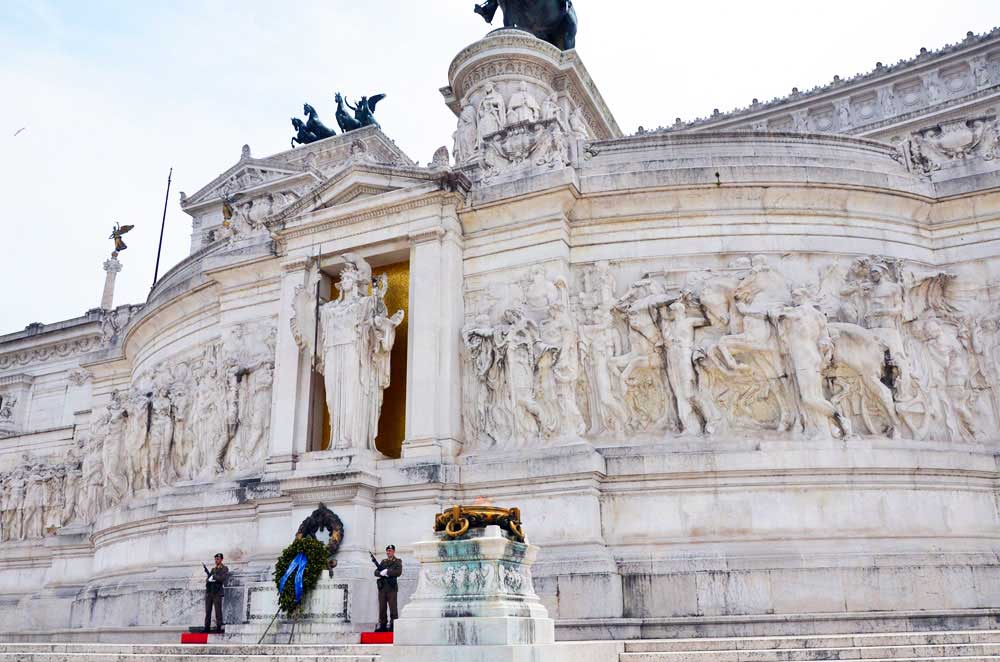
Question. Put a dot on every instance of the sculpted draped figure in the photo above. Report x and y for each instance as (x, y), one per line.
(871, 347)
(492, 113)
(357, 336)
(522, 107)
(168, 425)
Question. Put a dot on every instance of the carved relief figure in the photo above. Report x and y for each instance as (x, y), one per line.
(559, 330)
(806, 341)
(678, 330)
(466, 137)
(522, 107)
(601, 342)
(578, 124)
(112, 426)
(7, 403)
(492, 113)
(643, 377)
(518, 341)
(136, 447)
(488, 420)
(551, 109)
(262, 382)
(92, 483)
(34, 501)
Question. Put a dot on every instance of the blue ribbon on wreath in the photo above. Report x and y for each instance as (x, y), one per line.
(298, 566)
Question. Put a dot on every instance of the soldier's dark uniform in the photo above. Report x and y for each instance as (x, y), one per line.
(388, 590)
(214, 584)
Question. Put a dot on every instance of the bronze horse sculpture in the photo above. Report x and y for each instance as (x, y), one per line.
(314, 125)
(303, 135)
(364, 112)
(553, 21)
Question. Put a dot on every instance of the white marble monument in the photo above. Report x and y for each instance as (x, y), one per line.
(741, 375)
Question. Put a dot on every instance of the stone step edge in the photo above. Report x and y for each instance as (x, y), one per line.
(910, 651)
(227, 649)
(974, 658)
(192, 655)
(817, 649)
(978, 658)
(866, 637)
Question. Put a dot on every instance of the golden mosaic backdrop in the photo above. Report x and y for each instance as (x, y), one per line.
(392, 420)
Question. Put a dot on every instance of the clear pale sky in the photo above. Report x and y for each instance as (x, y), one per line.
(114, 93)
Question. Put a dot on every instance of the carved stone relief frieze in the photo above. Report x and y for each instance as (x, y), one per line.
(871, 347)
(189, 419)
(515, 126)
(41, 495)
(950, 143)
(115, 322)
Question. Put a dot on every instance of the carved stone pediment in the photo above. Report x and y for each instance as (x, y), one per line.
(357, 180)
(357, 191)
(244, 178)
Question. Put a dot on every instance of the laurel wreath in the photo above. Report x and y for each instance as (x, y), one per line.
(316, 556)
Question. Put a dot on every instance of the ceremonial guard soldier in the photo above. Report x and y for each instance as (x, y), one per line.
(387, 571)
(214, 586)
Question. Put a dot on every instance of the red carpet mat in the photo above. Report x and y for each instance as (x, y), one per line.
(376, 637)
(194, 638)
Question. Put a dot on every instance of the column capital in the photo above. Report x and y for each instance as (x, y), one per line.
(428, 234)
(112, 265)
(298, 264)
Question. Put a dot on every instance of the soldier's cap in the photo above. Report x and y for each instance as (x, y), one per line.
(392, 547)
(219, 555)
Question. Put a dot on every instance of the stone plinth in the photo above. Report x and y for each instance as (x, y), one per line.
(324, 617)
(475, 600)
(523, 107)
(475, 591)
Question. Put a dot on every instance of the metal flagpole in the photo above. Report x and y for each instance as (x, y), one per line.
(312, 372)
(163, 225)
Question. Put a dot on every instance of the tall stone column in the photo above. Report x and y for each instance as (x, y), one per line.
(111, 268)
(433, 407)
(292, 376)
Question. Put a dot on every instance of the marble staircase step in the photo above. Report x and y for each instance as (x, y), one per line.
(967, 646)
(957, 652)
(814, 641)
(82, 652)
(192, 655)
(210, 649)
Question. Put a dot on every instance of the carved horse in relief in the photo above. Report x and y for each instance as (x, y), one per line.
(553, 21)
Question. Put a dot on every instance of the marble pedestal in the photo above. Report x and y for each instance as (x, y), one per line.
(475, 601)
(324, 617)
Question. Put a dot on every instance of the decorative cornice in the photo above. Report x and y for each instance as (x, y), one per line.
(839, 89)
(427, 235)
(21, 380)
(297, 264)
(361, 216)
(58, 350)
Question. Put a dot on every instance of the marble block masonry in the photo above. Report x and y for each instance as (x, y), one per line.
(740, 375)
